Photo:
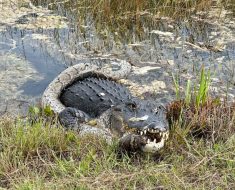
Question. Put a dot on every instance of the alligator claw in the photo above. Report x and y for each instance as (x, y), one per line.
(70, 118)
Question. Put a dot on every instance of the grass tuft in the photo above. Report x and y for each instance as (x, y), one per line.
(202, 92)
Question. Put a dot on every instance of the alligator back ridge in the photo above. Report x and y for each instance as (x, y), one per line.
(109, 68)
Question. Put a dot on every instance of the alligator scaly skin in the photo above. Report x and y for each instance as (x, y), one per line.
(95, 95)
(89, 90)
(111, 68)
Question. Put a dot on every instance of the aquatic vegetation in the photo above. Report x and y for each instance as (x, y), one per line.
(199, 114)
(176, 85)
(188, 93)
(123, 17)
(200, 91)
(112, 8)
(204, 83)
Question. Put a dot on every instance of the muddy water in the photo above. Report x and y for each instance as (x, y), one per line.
(37, 43)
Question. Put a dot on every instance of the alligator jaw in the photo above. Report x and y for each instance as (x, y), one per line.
(155, 139)
(152, 146)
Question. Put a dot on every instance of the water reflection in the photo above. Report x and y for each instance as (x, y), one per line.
(27, 66)
(45, 63)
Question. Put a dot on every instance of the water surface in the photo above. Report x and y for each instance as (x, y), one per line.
(33, 54)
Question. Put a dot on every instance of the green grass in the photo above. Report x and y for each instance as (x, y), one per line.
(39, 155)
(200, 92)
(204, 84)
(188, 93)
(176, 85)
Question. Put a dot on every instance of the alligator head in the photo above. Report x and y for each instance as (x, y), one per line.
(140, 125)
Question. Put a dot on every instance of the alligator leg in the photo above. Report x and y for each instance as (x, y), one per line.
(71, 118)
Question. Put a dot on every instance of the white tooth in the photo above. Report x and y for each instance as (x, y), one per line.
(148, 141)
(153, 147)
(141, 133)
(145, 131)
(166, 135)
(160, 134)
(154, 140)
(160, 144)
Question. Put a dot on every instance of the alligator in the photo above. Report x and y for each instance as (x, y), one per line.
(88, 91)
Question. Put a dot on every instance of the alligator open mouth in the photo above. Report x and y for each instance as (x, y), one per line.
(154, 138)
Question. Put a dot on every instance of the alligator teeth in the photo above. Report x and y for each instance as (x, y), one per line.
(145, 131)
(141, 133)
(154, 140)
(148, 141)
(153, 130)
(153, 147)
(166, 135)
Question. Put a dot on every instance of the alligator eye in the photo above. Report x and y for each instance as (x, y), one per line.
(161, 107)
(132, 105)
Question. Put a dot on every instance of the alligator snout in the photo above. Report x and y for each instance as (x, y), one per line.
(154, 138)
(156, 127)
(143, 124)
